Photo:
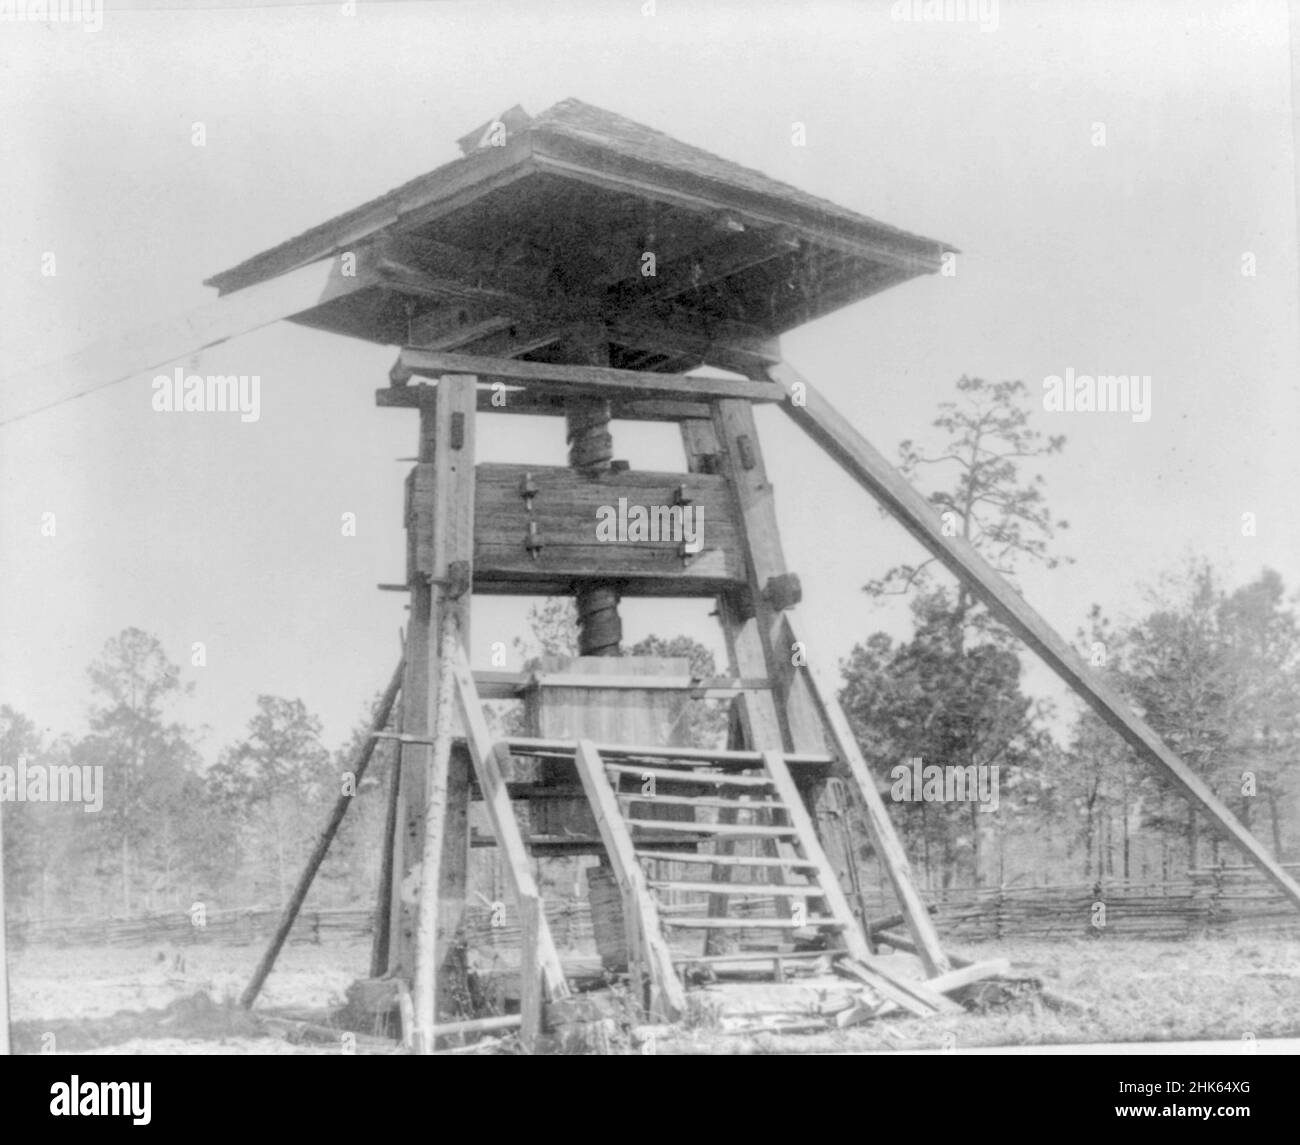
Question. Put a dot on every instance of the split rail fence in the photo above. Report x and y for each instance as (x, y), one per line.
(1212, 900)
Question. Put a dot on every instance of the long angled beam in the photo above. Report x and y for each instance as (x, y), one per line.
(486, 755)
(323, 842)
(116, 359)
(869, 468)
(577, 379)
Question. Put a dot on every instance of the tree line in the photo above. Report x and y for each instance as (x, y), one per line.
(1214, 669)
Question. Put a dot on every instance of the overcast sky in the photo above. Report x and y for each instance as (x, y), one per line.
(1118, 259)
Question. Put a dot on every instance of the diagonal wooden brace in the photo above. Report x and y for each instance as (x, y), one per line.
(869, 468)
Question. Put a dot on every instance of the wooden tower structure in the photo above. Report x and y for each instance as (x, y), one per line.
(578, 265)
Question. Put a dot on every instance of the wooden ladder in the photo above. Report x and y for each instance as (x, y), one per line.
(734, 796)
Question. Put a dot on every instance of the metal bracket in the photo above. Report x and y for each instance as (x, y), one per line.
(528, 490)
(533, 541)
(681, 499)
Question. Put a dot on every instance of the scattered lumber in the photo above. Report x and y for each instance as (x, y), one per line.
(914, 997)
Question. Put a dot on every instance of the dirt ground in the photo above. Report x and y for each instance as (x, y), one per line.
(147, 1001)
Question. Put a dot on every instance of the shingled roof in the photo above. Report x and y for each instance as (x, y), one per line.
(547, 221)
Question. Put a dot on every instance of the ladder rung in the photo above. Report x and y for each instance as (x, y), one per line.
(755, 956)
(689, 777)
(703, 801)
(524, 745)
(731, 830)
(751, 923)
(754, 890)
(727, 860)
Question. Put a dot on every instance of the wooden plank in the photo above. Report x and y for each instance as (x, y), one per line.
(545, 403)
(750, 632)
(811, 923)
(703, 801)
(424, 993)
(753, 712)
(603, 380)
(568, 509)
(524, 745)
(704, 779)
(588, 161)
(496, 799)
(735, 253)
(965, 975)
(882, 972)
(888, 988)
(855, 942)
(118, 358)
(321, 849)
(867, 466)
(414, 204)
(643, 683)
(734, 830)
(726, 860)
(530, 977)
(440, 522)
(743, 464)
(880, 828)
(645, 938)
(754, 956)
(444, 855)
(746, 890)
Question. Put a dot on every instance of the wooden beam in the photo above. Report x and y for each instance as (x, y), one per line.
(125, 356)
(579, 379)
(869, 468)
(880, 828)
(314, 861)
(966, 975)
(544, 403)
(408, 279)
(731, 255)
(590, 163)
(704, 756)
(442, 531)
(412, 206)
(424, 992)
(720, 344)
(496, 798)
(855, 941)
(646, 944)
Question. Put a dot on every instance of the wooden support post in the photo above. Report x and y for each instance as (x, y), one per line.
(424, 994)
(441, 547)
(384, 905)
(496, 799)
(869, 468)
(322, 847)
(530, 975)
(884, 838)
